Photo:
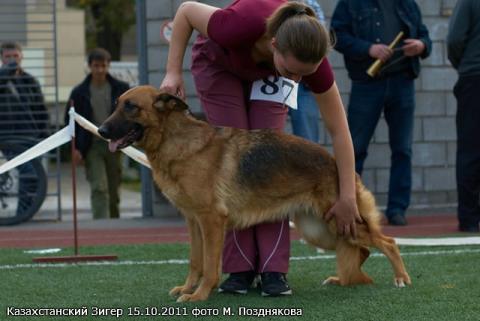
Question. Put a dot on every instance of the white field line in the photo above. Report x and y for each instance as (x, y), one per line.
(184, 261)
(445, 241)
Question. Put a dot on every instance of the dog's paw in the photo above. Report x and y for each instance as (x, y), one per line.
(184, 298)
(332, 280)
(190, 298)
(401, 282)
(178, 290)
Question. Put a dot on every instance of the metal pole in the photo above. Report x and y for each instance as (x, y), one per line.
(76, 257)
(57, 120)
(145, 173)
(74, 194)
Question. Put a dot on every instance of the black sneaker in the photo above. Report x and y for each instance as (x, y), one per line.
(237, 282)
(275, 284)
(397, 220)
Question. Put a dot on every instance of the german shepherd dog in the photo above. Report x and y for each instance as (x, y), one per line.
(222, 178)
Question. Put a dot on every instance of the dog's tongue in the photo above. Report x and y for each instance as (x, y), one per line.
(113, 145)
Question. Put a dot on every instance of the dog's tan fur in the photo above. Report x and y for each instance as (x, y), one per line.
(223, 178)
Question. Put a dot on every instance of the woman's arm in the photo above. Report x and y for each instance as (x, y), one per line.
(190, 16)
(345, 209)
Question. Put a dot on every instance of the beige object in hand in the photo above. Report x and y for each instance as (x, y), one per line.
(377, 65)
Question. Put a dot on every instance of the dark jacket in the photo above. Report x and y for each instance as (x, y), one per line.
(354, 24)
(22, 109)
(463, 41)
(81, 101)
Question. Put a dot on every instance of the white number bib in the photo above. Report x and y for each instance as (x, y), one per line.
(277, 89)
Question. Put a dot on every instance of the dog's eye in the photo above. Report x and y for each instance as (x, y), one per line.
(129, 107)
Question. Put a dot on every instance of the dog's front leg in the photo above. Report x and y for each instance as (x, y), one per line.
(196, 260)
(212, 226)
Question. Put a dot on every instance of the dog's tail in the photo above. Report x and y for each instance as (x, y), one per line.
(367, 208)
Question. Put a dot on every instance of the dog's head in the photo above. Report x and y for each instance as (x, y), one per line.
(139, 111)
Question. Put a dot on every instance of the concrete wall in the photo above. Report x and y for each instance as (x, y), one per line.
(434, 138)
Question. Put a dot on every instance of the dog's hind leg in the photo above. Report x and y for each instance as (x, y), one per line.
(388, 247)
(196, 260)
(212, 227)
(350, 258)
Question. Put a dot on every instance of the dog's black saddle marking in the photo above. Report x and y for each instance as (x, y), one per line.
(270, 156)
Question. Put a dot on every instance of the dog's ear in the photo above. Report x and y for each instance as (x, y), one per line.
(164, 102)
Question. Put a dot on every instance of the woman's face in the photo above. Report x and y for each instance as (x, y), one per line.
(290, 67)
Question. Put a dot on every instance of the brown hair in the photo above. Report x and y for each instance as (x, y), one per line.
(10, 45)
(297, 31)
(98, 54)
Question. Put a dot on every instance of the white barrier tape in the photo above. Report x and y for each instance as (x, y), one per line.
(133, 153)
(57, 139)
(88, 125)
(71, 120)
(136, 155)
(63, 136)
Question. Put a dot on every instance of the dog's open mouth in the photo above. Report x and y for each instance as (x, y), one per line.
(132, 136)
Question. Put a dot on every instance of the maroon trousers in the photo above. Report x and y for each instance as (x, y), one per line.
(224, 99)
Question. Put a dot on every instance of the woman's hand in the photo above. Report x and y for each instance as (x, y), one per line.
(191, 15)
(173, 84)
(346, 213)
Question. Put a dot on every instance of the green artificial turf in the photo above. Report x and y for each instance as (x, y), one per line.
(445, 287)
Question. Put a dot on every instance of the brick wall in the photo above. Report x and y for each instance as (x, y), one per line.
(434, 130)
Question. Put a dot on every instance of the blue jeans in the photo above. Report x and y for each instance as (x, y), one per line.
(395, 96)
(305, 119)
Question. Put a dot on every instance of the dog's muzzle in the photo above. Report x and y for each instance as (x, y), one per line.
(133, 134)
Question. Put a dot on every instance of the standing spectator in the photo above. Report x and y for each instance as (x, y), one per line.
(363, 29)
(249, 44)
(22, 115)
(463, 44)
(22, 109)
(305, 119)
(94, 99)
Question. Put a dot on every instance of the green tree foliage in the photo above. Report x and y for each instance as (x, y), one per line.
(107, 22)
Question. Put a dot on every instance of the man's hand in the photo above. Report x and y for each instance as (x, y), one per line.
(10, 69)
(173, 84)
(413, 47)
(346, 213)
(380, 51)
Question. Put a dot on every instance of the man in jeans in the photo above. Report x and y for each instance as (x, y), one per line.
(94, 98)
(463, 45)
(364, 28)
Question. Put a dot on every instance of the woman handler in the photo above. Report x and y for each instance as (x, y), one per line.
(236, 62)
